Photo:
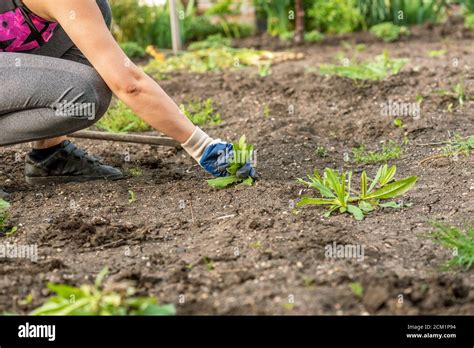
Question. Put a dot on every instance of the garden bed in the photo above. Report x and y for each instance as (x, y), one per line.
(246, 250)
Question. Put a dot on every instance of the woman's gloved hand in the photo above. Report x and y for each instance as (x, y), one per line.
(215, 156)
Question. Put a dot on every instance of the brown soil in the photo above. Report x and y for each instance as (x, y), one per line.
(244, 250)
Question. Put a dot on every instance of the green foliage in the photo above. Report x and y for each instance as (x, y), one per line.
(264, 69)
(389, 151)
(468, 5)
(436, 53)
(460, 241)
(276, 12)
(213, 41)
(401, 12)
(210, 60)
(388, 31)
(336, 192)
(92, 300)
(357, 289)
(334, 16)
(458, 145)
(201, 112)
(469, 21)
(378, 69)
(243, 153)
(457, 93)
(4, 228)
(133, 50)
(321, 151)
(120, 118)
(313, 36)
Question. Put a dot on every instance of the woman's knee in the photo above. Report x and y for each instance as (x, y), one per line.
(95, 99)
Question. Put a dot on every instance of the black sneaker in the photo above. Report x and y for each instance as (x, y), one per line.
(68, 164)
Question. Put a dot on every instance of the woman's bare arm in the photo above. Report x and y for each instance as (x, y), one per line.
(84, 24)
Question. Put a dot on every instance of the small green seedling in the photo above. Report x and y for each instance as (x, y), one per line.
(201, 112)
(336, 191)
(357, 289)
(398, 123)
(243, 153)
(389, 151)
(388, 31)
(377, 69)
(132, 197)
(93, 300)
(457, 93)
(437, 53)
(458, 145)
(460, 241)
(264, 69)
(321, 151)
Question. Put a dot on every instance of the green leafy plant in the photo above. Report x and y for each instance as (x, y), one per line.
(276, 13)
(401, 12)
(213, 41)
(388, 31)
(132, 197)
(389, 151)
(378, 69)
(313, 36)
(201, 112)
(460, 241)
(133, 50)
(336, 191)
(4, 228)
(120, 118)
(357, 289)
(469, 21)
(334, 16)
(321, 151)
(264, 70)
(243, 153)
(91, 300)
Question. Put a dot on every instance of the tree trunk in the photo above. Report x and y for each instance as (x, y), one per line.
(299, 28)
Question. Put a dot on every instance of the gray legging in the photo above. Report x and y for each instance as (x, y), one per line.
(51, 92)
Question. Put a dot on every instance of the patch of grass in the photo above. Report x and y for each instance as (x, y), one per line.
(379, 68)
(135, 172)
(456, 93)
(201, 112)
(208, 263)
(243, 153)
(390, 150)
(120, 119)
(93, 300)
(336, 191)
(388, 31)
(458, 145)
(460, 241)
(357, 289)
(437, 53)
(215, 59)
(266, 111)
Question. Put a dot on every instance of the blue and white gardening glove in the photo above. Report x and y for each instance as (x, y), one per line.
(215, 155)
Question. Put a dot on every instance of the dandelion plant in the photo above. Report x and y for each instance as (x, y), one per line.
(337, 193)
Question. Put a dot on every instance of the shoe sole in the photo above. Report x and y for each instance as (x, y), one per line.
(68, 179)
